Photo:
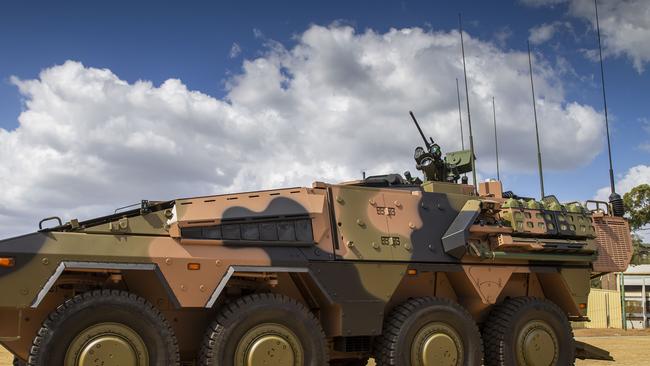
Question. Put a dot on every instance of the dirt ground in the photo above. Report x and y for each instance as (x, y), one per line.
(629, 348)
(5, 357)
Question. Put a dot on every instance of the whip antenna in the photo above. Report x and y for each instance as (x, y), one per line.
(469, 117)
(539, 152)
(614, 198)
(496, 139)
(460, 119)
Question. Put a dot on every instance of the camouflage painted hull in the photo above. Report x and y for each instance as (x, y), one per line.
(350, 252)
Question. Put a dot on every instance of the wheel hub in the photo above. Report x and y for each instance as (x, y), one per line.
(270, 350)
(537, 345)
(269, 345)
(437, 344)
(107, 344)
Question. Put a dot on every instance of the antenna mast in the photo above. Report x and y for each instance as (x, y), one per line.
(469, 117)
(539, 152)
(602, 78)
(614, 198)
(496, 139)
(460, 118)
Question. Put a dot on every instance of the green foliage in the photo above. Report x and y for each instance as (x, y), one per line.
(637, 205)
(641, 254)
(596, 282)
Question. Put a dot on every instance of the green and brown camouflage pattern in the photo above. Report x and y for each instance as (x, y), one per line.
(349, 251)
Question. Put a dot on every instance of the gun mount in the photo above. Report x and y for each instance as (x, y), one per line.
(429, 160)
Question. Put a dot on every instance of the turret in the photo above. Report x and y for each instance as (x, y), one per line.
(429, 160)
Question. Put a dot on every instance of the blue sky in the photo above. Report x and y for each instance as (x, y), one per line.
(193, 41)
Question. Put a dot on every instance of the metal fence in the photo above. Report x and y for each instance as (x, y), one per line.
(637, 304)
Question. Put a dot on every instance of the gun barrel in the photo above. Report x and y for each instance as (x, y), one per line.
(426, 143)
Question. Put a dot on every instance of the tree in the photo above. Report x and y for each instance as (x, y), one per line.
(641, 254)
(637, 206)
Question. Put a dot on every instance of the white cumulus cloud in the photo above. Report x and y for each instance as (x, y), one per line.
(332, 105)
(235, 50)
(545, 32)
(645, 123)
(635, 176)
(540, 3)
(625, 25)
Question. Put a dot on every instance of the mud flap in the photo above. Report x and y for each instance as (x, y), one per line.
(586, 351)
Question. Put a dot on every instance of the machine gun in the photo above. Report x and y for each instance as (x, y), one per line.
(434, 167)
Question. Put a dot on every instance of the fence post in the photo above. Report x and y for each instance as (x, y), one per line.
(643, 304)
(622, 291)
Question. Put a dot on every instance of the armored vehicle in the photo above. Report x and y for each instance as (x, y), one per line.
(405, 270)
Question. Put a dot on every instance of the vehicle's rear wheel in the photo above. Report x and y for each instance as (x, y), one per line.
(429, 331)
(105, 327)
(264, 329)
(18, 362)
(526, 331)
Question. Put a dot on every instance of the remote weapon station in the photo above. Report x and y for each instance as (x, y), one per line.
(406, 270)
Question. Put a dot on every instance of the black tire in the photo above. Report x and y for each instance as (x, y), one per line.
(236, 319)
(92, 309)
(394, 346)
(18, 362)
(350, 362)
(512, 317)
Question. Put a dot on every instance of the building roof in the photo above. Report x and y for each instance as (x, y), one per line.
(638, 269)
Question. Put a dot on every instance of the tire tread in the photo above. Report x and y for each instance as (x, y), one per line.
(68, 308)
(229, 314)
(496, 327)
(386, 345)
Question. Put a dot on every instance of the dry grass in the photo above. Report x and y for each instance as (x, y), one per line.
(629, 348)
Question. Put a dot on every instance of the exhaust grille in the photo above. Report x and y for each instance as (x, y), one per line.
(614, 244)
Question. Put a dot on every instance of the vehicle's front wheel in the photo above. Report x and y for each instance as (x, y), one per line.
(429, 331)
(105, 327)
(526, 331)
(264, 329)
